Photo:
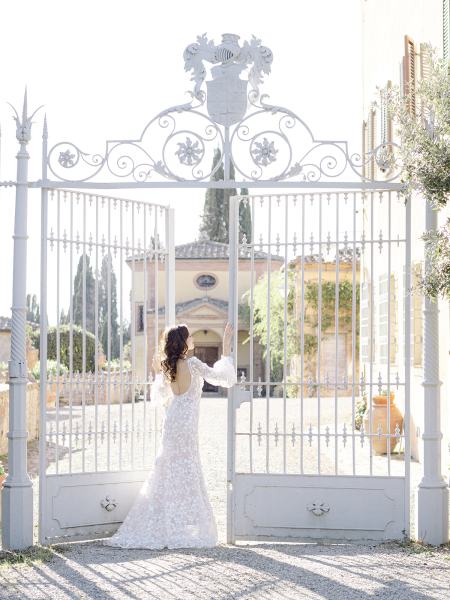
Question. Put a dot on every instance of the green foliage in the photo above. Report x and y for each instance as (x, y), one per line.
(425, 137)
(436, 282)
(328, 299)
(360, 411)
(64, 331)
(425, 154)
(114, 365)
(52, 369)
(2, 469)
(276, 320)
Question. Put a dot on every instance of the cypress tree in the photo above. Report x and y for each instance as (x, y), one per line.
(245, 218)
(215, 218)
(77, 301)
(104, 315)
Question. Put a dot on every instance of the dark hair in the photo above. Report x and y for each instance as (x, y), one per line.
(175, 347)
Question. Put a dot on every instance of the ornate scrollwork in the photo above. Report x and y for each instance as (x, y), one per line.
(264, 142)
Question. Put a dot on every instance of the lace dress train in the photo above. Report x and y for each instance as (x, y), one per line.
(172, 509)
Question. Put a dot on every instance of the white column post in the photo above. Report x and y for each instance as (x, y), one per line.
(432, 493)
(17, 505)
(233, 233)
(170, 269)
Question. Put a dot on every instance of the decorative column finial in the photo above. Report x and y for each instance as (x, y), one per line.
(23, 125)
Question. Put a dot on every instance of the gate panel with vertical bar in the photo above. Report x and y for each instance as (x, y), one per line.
(302, 463)
(297, 463)
(105, 263)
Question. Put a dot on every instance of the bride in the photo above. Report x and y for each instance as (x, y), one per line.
(172, 509)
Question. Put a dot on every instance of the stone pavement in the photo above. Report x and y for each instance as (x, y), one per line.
(335, 571)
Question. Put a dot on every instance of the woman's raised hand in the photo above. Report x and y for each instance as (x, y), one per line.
(227, 335)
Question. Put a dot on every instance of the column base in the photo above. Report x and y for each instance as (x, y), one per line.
(432, 523)
(17, 517)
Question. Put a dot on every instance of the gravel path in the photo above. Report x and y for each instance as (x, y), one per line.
(263, 571)
(338, 571)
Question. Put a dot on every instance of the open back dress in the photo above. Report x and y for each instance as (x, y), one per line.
(172, 509)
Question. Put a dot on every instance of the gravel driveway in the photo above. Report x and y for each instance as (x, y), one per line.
(338, 571)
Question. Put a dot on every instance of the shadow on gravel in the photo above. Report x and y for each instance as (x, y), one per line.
(292, 571)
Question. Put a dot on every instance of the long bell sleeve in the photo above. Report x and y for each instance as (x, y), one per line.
(222, 373)
(160, 391)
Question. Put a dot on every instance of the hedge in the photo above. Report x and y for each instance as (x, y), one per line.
(64, 337)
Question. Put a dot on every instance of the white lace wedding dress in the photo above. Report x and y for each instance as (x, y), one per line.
(172, 509)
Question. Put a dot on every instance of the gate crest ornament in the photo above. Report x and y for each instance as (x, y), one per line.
(264, 143)
(227, 92)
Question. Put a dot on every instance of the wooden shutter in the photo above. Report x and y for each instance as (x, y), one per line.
(446, 29)
(425, 62)
(410, 74)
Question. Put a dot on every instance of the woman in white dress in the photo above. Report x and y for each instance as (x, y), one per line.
(172, 509)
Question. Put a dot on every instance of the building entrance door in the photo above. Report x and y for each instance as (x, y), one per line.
(209, 355)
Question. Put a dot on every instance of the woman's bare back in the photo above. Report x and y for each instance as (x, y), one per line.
(183, 378)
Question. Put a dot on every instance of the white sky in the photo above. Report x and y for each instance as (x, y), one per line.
(103, 69)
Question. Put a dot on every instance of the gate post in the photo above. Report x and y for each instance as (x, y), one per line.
(233, 245)
(432, 493)
(17, 509)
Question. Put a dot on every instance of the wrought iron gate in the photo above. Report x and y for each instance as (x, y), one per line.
(330, 317)
(106, 262)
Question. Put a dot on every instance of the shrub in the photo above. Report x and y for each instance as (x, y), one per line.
(64, 333)
(52, 369)
(115, 365)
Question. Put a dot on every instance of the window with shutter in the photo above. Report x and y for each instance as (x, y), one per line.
(386, 124)
(425, 62)
(446, 28)
(410, 74)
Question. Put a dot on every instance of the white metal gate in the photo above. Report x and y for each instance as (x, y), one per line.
(299, 461)
(302, 460)
(106, 262)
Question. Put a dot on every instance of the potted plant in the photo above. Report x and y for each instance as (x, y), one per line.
(376, 421)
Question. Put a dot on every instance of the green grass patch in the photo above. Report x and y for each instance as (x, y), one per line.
(31, 556)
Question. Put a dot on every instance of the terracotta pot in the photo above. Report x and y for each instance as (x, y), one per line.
(380, 417)
(2, 479)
